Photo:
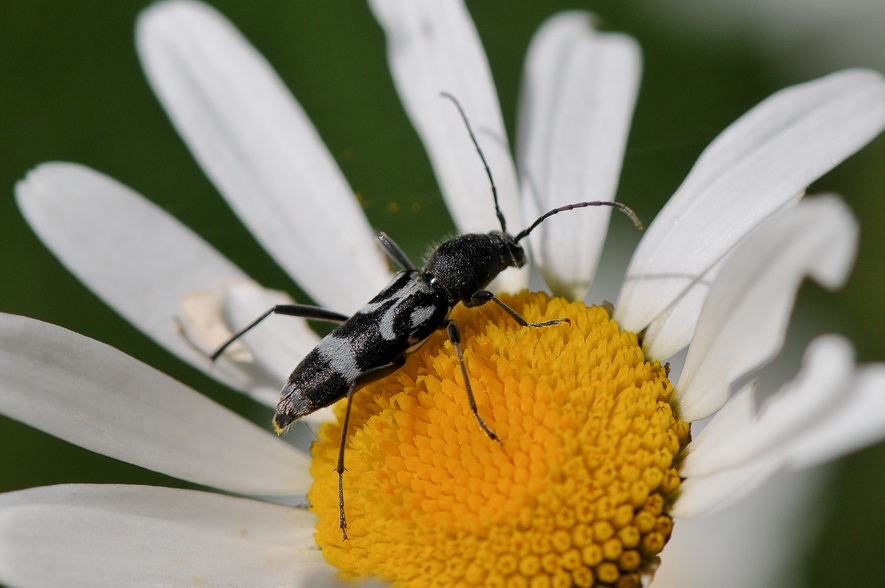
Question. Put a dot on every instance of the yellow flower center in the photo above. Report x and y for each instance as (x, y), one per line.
(577, 492)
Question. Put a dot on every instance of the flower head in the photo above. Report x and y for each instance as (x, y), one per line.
(594, 460)
(578, 489)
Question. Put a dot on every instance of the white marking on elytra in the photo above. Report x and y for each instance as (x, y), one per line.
(400, 298)
(340, 355)
(385, 326)
(372, 306)
(421, 315)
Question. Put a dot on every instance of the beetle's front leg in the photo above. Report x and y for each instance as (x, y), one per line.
(454, 334)
(480, 297)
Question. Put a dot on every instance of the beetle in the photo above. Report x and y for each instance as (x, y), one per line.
(376, 340)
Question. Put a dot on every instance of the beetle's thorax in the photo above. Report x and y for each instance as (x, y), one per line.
(468, 263)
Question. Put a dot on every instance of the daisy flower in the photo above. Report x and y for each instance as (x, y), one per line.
(600, 455)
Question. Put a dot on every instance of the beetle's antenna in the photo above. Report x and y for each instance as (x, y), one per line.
(481, 156)
(622, 207)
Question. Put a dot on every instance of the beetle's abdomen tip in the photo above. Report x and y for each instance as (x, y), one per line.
(289, 409)
(280, 424)
(282, 421)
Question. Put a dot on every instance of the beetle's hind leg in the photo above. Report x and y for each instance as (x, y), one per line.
(370, 375)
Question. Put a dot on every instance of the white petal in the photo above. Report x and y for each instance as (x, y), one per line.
(261, 151)
(578, 92)
(266, 354)
(744, 319)
(673, 329)
(706, 495)
(281, 341)
(92, 535)
(203, 324)
(433, 47)
(751, 170)
(807, 422)
(771, 528)
(135, 257)
(826, 413)
(858, 421)
(92, 395)
(743, 432)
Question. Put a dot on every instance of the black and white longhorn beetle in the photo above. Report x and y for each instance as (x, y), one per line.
(375, 341)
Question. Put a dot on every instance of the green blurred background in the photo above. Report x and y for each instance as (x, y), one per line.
(71, 88)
